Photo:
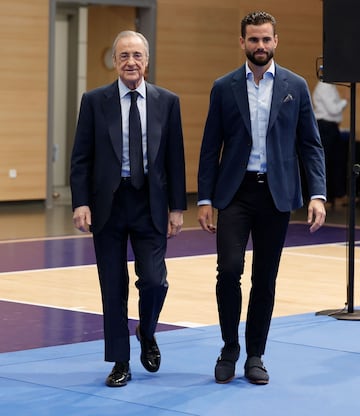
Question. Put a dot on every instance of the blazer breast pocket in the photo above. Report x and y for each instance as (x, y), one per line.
(288, 98)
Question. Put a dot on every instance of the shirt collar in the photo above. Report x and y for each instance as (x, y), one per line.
(270, 71)
(123, 89)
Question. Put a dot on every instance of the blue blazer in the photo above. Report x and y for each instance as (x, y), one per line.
(97, 154)
(292, 135)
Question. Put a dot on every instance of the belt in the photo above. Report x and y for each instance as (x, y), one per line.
(259, 177)
(126, 180)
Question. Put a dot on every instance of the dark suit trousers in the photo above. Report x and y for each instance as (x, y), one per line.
(130, 218)
(251, 212)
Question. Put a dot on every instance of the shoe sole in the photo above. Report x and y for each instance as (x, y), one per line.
(259, 382)
(120, 385)
(224, 381)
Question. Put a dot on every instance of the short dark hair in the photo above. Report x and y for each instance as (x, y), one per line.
(257, 18)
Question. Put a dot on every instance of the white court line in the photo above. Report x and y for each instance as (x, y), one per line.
(74, 308)
(318, 256)
(35, 239)
(186, 324)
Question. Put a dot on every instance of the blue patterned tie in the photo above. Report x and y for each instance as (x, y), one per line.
(135, 144)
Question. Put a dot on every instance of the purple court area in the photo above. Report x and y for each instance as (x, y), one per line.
(77, 251)
(24, 326)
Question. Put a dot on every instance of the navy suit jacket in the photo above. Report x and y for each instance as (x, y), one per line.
(292, 134)
(97, 154)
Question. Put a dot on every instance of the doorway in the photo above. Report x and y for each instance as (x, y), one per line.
(68, 52)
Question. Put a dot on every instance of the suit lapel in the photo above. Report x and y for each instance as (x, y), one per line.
(153, 120)
(279, 94)
(241, 96)
(112, 112)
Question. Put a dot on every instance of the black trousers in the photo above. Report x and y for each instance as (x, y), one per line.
(252, 212)
(130, 219)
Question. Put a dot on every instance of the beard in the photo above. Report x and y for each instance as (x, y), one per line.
(262, 61)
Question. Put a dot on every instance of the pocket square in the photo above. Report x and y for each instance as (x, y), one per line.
(289, 97)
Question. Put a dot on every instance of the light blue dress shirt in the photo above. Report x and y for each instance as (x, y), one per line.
(125, 101)
(259, 97)
(260, 103)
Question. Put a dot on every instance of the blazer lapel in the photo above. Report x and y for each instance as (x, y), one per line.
(279, 94)
(241, 96)
(112, 112)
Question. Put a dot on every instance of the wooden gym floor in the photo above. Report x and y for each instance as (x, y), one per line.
(312, 276)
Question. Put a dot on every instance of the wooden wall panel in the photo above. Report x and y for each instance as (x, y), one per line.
(104, 23)
(23, 104)
(197, 41)
(300, 36)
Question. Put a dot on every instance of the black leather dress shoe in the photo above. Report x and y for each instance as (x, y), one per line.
(150, 354)
(225, 364)
(119, 375)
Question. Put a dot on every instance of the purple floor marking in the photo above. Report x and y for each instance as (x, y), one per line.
(24, 326)
(51, 253)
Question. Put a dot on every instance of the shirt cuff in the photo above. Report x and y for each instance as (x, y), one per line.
(318, 197)
(204, 202)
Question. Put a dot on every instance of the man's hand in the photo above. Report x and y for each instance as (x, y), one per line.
(82, 218)
(316, 214)
(205, 218)
(175, 223)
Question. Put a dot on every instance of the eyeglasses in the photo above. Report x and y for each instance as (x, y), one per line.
(125, 56)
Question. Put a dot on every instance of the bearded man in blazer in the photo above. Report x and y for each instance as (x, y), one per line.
(108, 202)
(260, 125)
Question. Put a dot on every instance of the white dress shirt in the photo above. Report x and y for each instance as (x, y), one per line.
(328, 105)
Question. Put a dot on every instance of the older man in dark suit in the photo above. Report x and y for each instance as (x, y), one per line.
(260, 123)
(121, 191)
